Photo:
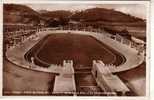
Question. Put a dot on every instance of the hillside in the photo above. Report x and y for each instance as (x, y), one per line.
(112, 20)
(55, 14)
(14, 13)
(102, 14)
(95, 17)
(56, 18)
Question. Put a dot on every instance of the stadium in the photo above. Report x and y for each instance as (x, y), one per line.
(72, 60)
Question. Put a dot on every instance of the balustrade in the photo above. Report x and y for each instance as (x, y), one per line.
(117, 37)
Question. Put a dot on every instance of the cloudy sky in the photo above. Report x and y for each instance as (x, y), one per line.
(138, 10)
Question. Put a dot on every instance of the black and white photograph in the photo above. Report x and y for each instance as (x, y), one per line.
(75, 49)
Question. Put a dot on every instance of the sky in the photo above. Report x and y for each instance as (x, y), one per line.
(138, 10)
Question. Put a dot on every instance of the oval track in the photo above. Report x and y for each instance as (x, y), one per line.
(82, 49)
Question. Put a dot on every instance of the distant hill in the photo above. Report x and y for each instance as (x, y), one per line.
(56, 18)
(55, 14)
(103, 14)
(14, 13)
(42, 11)
(110, 19)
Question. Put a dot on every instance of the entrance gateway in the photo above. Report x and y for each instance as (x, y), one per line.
(65, 82)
